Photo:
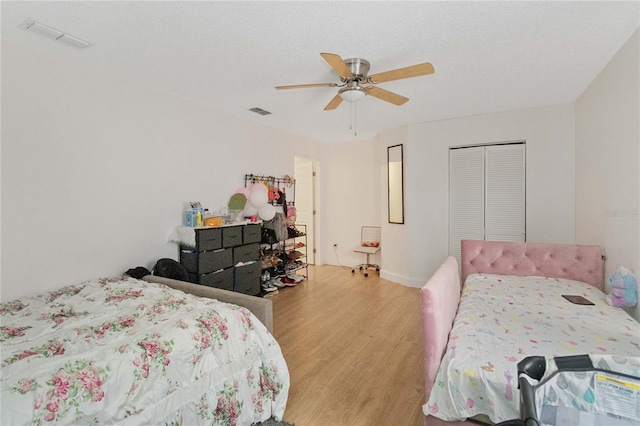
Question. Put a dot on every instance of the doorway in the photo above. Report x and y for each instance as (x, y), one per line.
(304, 174)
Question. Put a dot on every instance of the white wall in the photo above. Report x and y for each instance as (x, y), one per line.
(95, 170)
(418, 249)
(608, 162)
(350, 199)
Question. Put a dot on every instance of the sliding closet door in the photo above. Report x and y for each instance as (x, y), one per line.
(466, 197)
(504, 193)
(486, 194)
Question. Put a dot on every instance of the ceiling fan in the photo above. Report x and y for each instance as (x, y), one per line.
(356, 84)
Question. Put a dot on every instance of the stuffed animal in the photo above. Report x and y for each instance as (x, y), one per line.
(624, 288)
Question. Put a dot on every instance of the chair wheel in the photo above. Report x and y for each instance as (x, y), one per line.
(366, 275)
(353, 271)
(361, 268)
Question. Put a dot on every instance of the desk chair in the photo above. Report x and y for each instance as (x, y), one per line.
(369, 244)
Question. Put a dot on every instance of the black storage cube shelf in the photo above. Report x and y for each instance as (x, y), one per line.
(206, 261)
(222, 279)
(247, 279)
(252, 234)
(246, 253)
(212, 262)
(208, 239)
(231, 236)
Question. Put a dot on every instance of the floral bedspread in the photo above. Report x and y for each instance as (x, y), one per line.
(503, 319)
(124, 351)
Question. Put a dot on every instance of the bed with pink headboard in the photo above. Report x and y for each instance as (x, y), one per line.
(441, 295)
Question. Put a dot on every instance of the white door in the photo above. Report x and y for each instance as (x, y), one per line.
(304, 196)
(504, 193)
(486, 194)
(466, 197)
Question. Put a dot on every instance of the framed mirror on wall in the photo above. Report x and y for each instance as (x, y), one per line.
(395, 176)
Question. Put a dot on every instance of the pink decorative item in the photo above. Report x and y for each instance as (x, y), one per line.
(244, 191)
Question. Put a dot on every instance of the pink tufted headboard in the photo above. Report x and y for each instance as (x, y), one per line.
(575, 262)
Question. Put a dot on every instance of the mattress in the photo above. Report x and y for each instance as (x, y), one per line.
(124, 351)
(503, 319)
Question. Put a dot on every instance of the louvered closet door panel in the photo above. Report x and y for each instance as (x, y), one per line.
(505, 192)
(466, 197)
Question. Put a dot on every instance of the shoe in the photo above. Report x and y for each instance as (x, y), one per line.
(268, 286)
(289, 282)
(295, 277)
(293, 232)
(292, 266)
(293, 255)
(277, 282)
(270, 293)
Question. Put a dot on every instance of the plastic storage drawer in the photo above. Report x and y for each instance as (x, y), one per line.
(206, 261)
(247, 279)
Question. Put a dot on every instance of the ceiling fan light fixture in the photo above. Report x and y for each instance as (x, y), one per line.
(352, 93)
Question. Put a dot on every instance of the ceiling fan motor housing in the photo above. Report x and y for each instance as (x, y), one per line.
(359, 68)
(352, 91)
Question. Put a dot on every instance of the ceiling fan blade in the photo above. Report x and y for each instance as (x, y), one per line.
(304, 86)
(335, 103)
(386, 95)
(338, 65)
(400, 73)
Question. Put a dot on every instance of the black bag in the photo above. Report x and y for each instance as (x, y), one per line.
(277, 224)
(268, 236)
(138, 272)
(169, 268)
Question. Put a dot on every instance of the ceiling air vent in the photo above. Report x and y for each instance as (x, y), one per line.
(259, 111)
(53, 34)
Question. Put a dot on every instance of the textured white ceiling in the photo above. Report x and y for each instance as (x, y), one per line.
(488, 56)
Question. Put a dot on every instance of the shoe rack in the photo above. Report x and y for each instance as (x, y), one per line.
(285, 261)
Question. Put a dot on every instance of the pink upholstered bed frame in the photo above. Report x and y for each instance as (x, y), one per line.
(441, 295)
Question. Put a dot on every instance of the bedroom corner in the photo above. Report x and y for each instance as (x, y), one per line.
(607, 169)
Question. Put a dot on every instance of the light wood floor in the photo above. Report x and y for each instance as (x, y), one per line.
(353, 346)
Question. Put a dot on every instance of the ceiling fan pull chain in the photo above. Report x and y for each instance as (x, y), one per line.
(355, 119)
(350, 115)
